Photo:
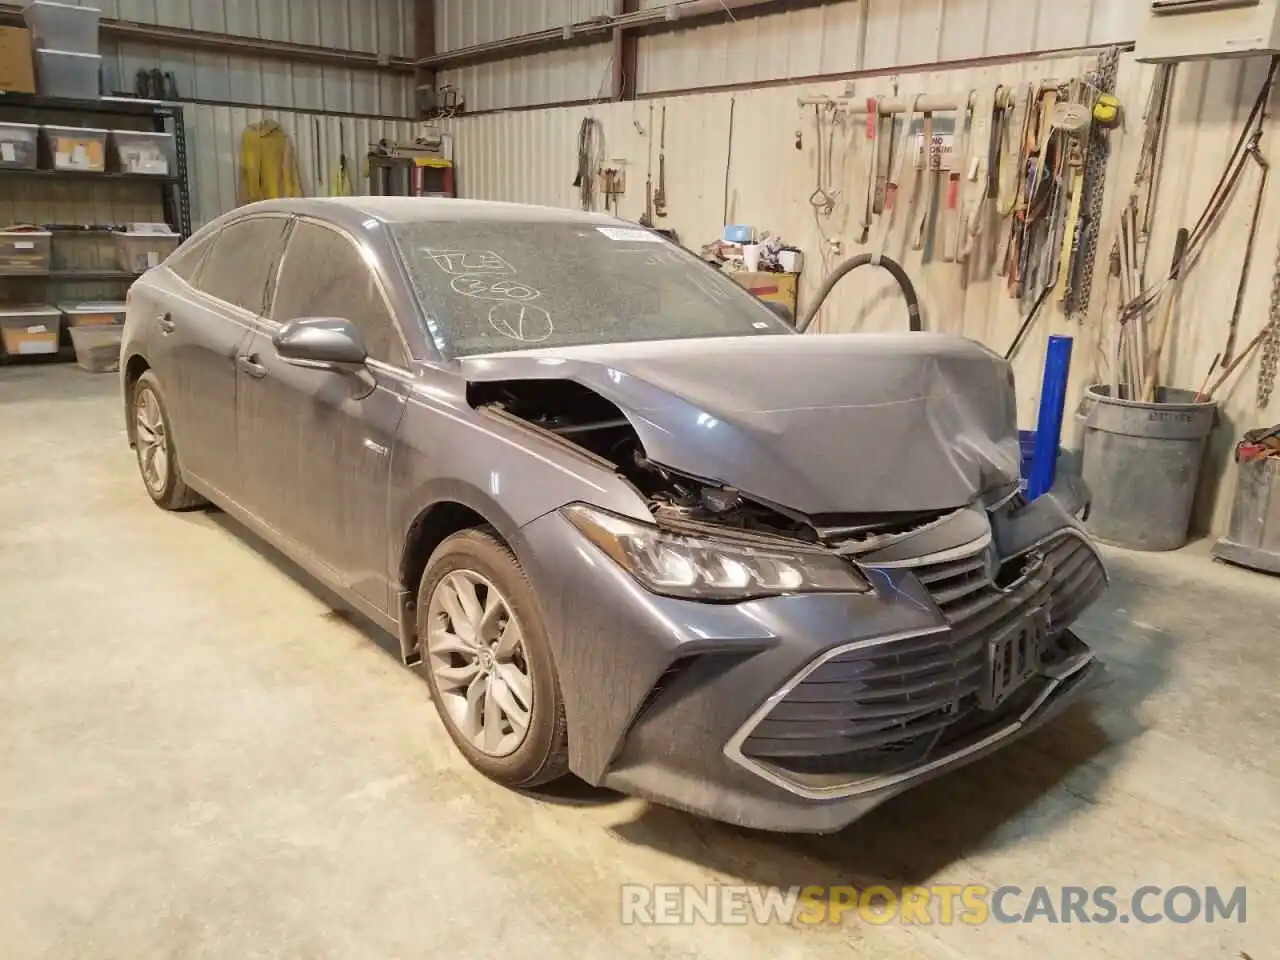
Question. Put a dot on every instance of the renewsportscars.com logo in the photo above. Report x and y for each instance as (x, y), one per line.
(943, 904)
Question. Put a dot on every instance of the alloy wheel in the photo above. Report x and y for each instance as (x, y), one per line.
(152, 440)
(476, 655)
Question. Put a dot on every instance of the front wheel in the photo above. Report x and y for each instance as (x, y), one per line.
(488, 662)
(153, 442)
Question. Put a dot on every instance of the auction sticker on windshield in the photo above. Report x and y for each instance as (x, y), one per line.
(622, 233)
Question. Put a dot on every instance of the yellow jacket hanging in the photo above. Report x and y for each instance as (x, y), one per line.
(268, 166)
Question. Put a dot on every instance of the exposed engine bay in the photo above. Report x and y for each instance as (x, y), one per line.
(579, 416)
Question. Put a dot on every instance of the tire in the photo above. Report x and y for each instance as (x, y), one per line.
(158, 460)
(455, 670)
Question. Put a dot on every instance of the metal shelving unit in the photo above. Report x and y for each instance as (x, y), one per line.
(174, 189)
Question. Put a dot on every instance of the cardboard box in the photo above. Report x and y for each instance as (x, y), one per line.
(772, 287)
(17, 75)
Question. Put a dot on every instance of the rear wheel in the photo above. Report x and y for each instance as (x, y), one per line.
(487, 660)
(153, 442)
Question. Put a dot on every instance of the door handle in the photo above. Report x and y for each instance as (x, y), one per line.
(167, 326)
(252, 367)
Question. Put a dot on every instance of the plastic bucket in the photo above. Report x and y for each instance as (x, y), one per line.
(1142, 465)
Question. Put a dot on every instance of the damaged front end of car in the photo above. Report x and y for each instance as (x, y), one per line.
(786, 669)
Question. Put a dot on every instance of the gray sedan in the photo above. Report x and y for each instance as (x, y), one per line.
(624, 520)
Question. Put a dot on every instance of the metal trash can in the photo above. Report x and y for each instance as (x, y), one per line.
(1253, 539)
(1142, 466)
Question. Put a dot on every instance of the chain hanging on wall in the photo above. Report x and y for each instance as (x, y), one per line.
(1270, 342)
(1095, 177)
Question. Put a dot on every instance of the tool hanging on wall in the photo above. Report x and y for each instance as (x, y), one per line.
(873, 160)
(1269, 338)
(590, 150)
(646, 219)
(978, 172)
(922, 186)
(1012, 170)
(660, 195)
(318, 153)
(342, 186)
(1106, 116)
(893, 180)
(954, 205)
(1264, 173)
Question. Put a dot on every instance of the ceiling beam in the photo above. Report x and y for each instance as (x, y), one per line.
(678, 15)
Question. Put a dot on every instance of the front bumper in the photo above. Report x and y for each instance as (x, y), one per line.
(712, 707)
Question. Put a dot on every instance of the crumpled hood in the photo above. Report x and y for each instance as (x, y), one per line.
(845, 423)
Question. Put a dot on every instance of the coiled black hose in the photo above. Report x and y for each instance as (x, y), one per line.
(862, 260)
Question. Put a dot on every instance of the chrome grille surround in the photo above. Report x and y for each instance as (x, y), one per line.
(872, 713)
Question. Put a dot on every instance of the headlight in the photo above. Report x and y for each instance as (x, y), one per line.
(710, 569)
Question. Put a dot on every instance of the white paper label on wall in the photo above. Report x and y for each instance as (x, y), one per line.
(635, 236)
(153, 259)
(941, 150)
(7, 153)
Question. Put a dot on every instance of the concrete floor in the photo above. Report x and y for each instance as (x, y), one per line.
(199, 758)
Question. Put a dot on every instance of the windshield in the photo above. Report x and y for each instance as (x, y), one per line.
(495, 286)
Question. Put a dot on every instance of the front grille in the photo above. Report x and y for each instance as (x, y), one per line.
(1078, 578)
(883, 707)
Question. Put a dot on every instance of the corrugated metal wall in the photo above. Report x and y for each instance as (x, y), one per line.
(464, 23)
(531, 157)
(214, 135)
(379, 104)
(372, 26)
(808, 42)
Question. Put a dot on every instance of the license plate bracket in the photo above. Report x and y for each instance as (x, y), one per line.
(1012, 659)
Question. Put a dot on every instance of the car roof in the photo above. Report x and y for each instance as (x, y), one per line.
(353, 212)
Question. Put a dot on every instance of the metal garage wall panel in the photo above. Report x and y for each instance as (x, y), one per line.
(769, 183)
(530, 157)
(805, 42)
(797, 43)
(576, 73)
(464, 23)
(373, 26)
(250, 80)
(898, 33)
(1211, 102)
(214, 145)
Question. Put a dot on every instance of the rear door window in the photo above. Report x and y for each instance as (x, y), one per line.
(242, 262)
(187, 260)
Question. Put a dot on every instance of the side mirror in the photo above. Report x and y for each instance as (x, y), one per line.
(321, 342)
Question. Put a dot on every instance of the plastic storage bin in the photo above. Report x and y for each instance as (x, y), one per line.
(139, 250)
(82, 250)
(65, 73)
(97, 348)
(137, 151)
(104, 313)
(77, 148)
(24, 252)
(19, 146)
(63, 26)
(25, 331)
